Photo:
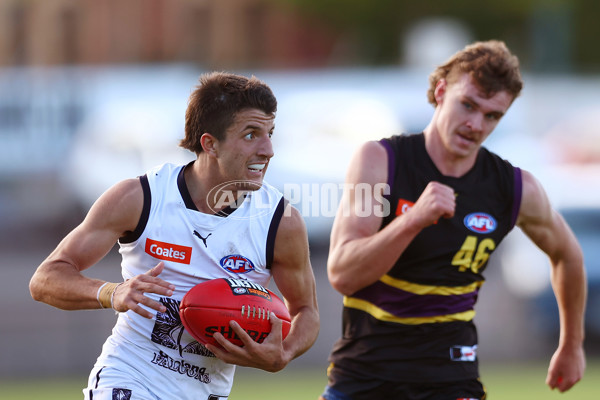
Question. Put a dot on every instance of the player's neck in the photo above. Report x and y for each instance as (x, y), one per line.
(208, 192)
(197, 180)
(448, 163)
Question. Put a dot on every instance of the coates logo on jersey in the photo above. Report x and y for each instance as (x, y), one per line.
(237, 264)
(480, 222)
(169, 251)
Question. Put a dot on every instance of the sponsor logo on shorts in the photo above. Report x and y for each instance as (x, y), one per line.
(237, 264)
(121, 394)
(463, 353)
(169, 251)
(480, 222)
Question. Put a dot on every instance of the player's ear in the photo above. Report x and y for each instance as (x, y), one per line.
(440, 90)
(209, 144)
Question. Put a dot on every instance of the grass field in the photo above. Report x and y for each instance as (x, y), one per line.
(514, 382)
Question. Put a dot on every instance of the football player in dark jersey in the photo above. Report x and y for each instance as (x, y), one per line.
(410, 277)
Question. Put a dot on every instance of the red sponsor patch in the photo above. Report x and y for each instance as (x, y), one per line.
(169, 251)
(403, 206)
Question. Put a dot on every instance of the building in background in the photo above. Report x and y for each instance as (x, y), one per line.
(223, 34)
(549, 35)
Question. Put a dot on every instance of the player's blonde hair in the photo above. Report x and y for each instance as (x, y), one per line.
(491, 65)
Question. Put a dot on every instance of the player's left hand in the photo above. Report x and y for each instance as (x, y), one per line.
(268, 355)
(566, 368)
(130, 294)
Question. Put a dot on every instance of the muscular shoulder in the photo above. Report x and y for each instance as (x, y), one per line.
(543, 224)
(292, 224)
(119, 208)
(291, 240)
(371, 152)
(369, 164)
(535, 206)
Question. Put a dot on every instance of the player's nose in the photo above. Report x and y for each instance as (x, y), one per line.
(475, 122)
(265, 149)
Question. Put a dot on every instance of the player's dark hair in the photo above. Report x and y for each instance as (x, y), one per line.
(491, 65)
(213, 104)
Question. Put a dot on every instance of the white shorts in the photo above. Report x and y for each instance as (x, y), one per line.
(107, 383)
(132, 373)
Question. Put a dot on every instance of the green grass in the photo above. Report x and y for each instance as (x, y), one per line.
(514, 382)
(528, 381)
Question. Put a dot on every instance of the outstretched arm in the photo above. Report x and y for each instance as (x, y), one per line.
(58, 281)
(549, 231)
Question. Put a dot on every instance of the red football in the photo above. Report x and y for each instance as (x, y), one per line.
(209, 306)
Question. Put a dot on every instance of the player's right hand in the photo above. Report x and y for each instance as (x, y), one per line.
(437, 201)
(270, 355)
(130, 294)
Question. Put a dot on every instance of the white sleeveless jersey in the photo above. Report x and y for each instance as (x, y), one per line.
(194, 247)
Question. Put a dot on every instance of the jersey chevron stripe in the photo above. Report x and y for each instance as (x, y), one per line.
(383, 315)
(427, 289)
(404, 304)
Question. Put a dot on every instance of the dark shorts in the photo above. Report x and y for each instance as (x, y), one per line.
(345, 387)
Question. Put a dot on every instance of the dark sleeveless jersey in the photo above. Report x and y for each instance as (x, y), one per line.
(415, 323)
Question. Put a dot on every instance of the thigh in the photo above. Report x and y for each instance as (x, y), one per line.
(460, 390)
(344, 386)
(107, 383)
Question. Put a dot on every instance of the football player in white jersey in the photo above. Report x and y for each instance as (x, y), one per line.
(172, 232)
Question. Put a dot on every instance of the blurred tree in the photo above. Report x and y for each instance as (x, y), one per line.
(586, 31)
(548, 35)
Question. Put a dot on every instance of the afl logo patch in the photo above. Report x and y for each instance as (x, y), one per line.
(480, 222)
(237, 264)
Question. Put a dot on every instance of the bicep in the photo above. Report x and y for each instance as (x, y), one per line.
(292, 271)
(115, 213)
(363, 203)
(540, 222)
